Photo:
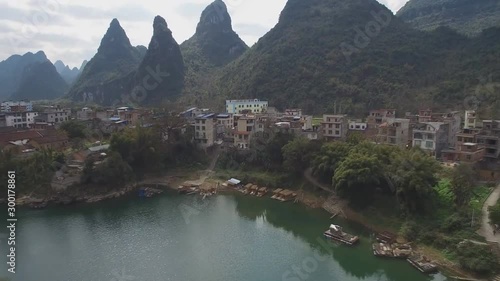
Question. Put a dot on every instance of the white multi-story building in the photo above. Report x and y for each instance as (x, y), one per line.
(334, 127)
(20, 119)
(16, 106)
(246, 106)
(470, 120)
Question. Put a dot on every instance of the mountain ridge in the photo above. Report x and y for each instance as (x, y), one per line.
(469, 17)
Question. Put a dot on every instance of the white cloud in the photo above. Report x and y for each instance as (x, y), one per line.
(30, 25)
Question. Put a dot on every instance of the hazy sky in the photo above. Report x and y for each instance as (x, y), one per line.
(72, 32)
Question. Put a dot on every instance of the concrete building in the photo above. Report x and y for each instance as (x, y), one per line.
(470, 119)
(246, 106)
(431, 137)
(489, 137)
(16, 106)
(131, 117)
(205, 130)
(20, 119)
(85, 114)
(293, 112)
(379, 116)
(394, 131)
(357, 126)
(335, 127)
(54, 116)
(243, 131)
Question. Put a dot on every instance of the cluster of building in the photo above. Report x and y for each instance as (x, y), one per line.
(243, 120)
(20, 114)
(23, 130)
(449, 137)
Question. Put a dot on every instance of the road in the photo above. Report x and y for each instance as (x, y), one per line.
(486, 229)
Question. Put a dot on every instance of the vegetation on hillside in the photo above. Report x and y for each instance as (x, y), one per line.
(469, 17)
(34, 173)
(319, 55)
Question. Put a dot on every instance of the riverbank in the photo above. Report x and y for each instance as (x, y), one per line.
(311, 199)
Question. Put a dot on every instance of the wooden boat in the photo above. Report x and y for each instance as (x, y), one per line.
(276, 193)
(422, 264)
(262, 191)
(336, 233)
(385, 237)
(391, 250)
(286, 195)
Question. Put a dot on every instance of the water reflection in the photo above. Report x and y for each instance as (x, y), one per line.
(309, 226)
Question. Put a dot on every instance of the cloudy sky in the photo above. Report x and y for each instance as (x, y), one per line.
(71, 30)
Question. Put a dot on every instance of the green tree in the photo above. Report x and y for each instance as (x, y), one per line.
(113, 171)
(495, 214)
(141, 148)
(328, 158)
(478, 258)
(413, 174)
(357, 176)
(74, 129)
(463, 180)
(296, 155)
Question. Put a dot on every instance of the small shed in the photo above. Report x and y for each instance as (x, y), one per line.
(233, 182)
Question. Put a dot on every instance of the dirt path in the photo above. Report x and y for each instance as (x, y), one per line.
(311, 179)
(486, 229)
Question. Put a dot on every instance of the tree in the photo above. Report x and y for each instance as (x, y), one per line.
(357, 176)
(140, 147)
(296, 155)
(112, 171)
(495, 214)
(328, 158)
(478, 258)
(74, 129)
(413, 175)
(463, 181)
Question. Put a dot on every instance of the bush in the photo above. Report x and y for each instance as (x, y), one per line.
(410, 231)
(455, 222)
(477, 258)
(495, 214)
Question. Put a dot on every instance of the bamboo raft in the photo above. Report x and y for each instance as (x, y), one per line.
(391, 250)
(422, 264)
(336, 233)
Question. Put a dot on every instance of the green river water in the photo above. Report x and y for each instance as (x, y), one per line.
(185, 238)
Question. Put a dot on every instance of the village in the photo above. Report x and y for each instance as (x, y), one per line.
(451, 137)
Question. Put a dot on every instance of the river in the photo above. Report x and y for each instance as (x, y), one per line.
(184, 238)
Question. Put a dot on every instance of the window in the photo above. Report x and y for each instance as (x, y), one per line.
(429, 144)
(337, 126)
(330, 132)
(337, 132)
(418, 143)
